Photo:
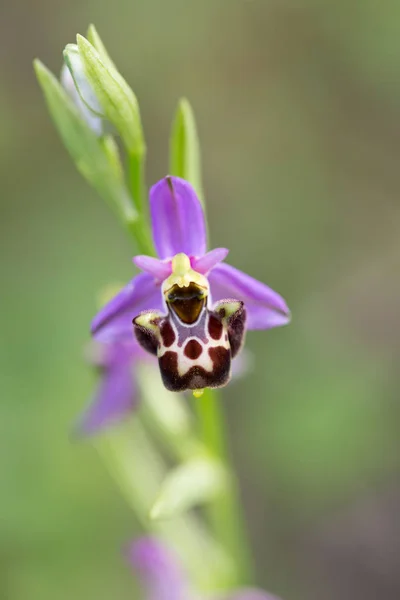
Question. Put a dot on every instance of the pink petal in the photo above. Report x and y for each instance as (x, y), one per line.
(159, 269)
(205, 263)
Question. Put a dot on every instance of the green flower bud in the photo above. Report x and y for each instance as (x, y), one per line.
(97, 43)
(96, 158)
(75, 66)
(93, 120)
(116, 98)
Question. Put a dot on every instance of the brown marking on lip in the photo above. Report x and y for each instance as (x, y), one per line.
(214, 327)
(193, 349)
(219, 356)
(167, 334)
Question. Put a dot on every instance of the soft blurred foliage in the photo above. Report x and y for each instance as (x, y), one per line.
(298, 109)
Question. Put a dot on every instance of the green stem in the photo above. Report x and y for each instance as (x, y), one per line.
(139, 231)
(225, 512)
(136, 163)
(140, 228)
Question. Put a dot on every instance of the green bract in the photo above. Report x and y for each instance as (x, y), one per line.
(192, 483)
(97, 43)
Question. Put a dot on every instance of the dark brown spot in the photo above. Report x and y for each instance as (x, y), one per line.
(169, 361)
(167, 334)
(193, 349)
(214, 327)
(222, 312)
(219, 356)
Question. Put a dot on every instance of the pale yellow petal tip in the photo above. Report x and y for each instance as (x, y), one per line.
(198, 393)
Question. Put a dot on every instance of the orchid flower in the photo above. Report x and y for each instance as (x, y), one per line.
(162, 577)
(188, 307)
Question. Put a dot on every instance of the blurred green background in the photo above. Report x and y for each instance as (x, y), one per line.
(298, 109)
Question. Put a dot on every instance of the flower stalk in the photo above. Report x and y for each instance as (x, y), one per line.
(140, 228)
(224, 512)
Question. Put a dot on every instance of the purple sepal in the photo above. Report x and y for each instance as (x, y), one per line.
(265, 307)
(158, 569)
(177, 218)
(116, 395)
(114, 321)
